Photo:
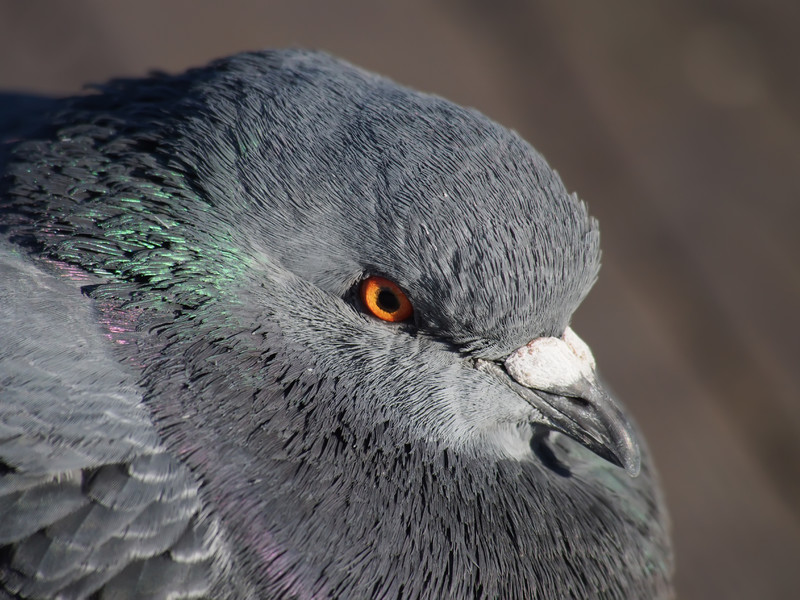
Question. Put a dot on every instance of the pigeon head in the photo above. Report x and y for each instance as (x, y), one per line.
(255, 226)
(343, 175)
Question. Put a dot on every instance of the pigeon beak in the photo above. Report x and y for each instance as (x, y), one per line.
(558, 377)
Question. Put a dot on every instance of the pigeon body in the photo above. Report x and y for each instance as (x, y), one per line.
(197, 403)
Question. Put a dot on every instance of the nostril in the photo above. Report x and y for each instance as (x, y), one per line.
(583, 403)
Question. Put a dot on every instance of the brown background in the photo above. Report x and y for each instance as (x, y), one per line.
(677, 120)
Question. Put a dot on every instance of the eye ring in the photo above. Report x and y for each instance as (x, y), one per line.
(385, 300)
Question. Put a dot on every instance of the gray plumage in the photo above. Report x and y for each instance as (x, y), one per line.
(195, 402)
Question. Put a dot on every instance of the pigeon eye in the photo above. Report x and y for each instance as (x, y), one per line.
(385, 300)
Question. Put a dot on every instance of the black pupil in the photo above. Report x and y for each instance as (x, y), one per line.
(388, 301)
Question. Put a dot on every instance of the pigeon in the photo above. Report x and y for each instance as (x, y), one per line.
(278, 327)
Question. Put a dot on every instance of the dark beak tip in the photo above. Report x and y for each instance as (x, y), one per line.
(623, 452)
(625, 455)
(632, 463)
(628, 451)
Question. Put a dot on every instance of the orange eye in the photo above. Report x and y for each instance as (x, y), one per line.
(385, 300)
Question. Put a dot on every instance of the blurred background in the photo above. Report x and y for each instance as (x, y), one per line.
(677, 120)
